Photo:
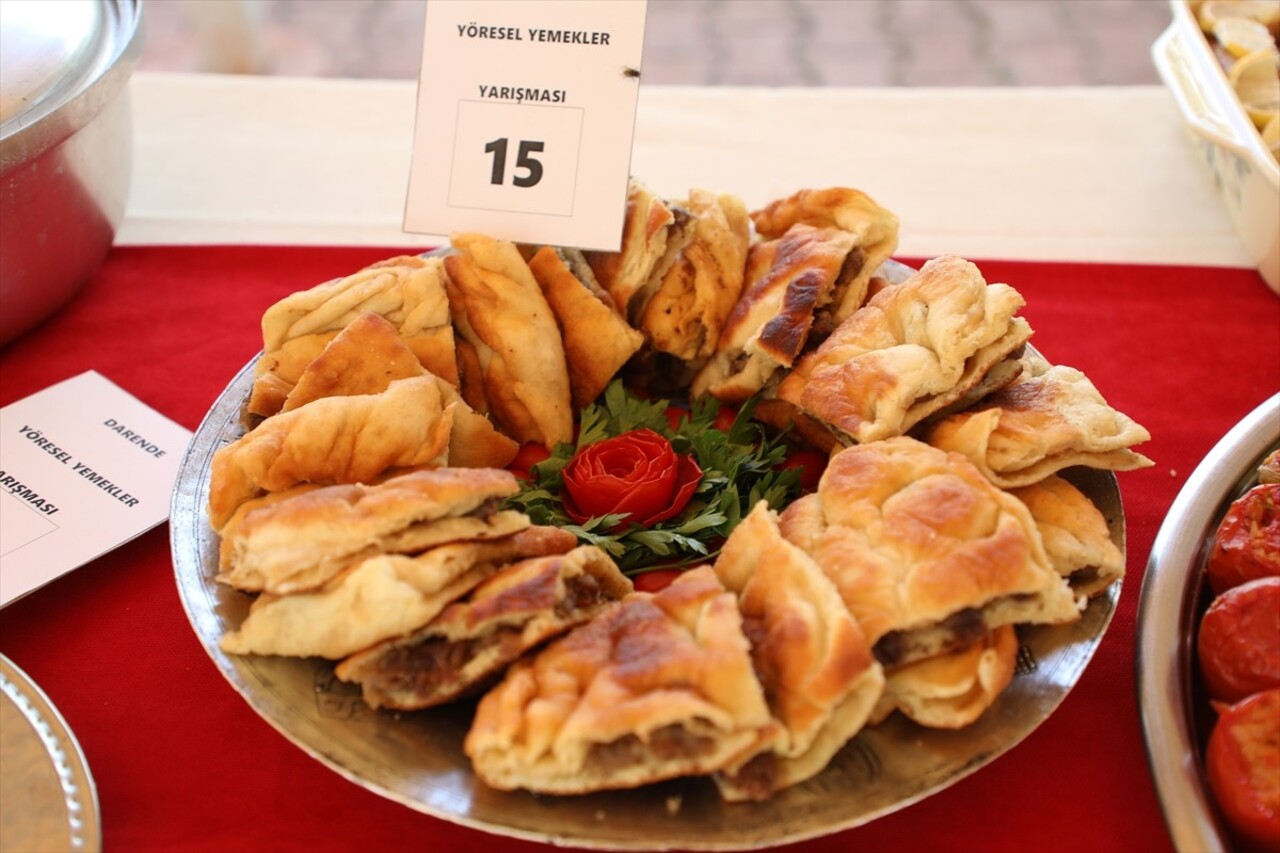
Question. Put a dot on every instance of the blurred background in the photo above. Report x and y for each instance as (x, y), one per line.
(704, 42)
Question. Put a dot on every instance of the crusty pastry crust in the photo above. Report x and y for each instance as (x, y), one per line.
(873, 228)
(381, 597)
(952, 690)
(597, 338)
(472, 640)
(500, 310)
(818, 673)
(1050, 418)
(689, 306)
(657, 686)
(299, 543)
(366, 357)
(333, 440)
(1075, 534)
(925, 551)
(911, 351)
(407, 290)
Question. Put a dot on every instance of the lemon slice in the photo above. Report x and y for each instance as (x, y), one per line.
(1242, 36)
(1255, 78)
(1265, 12)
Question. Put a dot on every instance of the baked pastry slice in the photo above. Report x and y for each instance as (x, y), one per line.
(790, 281)
(1075, 533)
(691, 302)
(657, 686)
(333, 440)
(381, 597)
(476, 638)
(653, 233)
(927, 554)
(408, 291)
(873, 228)
(500, 310)
(1050, 418)
(913, 350)
(300, 542)
(952, 690)
(366, 357)
(597, 338)
(818, 673)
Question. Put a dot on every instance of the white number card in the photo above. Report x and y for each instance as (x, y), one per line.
(526, 113)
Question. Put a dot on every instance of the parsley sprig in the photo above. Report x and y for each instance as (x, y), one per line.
(740, 467)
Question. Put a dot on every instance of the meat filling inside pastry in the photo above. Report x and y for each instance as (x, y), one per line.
(657, 686)
(474, 639)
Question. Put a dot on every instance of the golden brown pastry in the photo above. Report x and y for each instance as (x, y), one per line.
(597, 339)
(366, 357)
(692, 300)
(1075, 534)
(951, 690)
(927, 554)
(472, 640)
(1049, 418)
(874, 230)
(790, 285)
(299, 543)
(500, 310)
(653, 233)
(408, 291)
(333, 440)
(381, 597)
(657, 686)
(819, 677)
(913, 350)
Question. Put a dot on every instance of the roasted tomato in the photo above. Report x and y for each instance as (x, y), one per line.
(526, 457)
(1247, 542)
(811, 464)
(1243, 760)
(725, 416)
(656, 579)
(1239, 642)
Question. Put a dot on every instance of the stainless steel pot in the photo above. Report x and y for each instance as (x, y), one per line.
(66, 147)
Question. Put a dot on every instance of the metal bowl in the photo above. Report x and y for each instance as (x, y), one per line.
(1173, 598)
(66, 147)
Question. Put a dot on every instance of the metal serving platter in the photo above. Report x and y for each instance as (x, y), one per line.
(417, 759)
(1175, 718)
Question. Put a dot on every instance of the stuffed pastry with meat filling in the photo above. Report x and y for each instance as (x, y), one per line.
(300, 542)
(913, 350)
(657, 686)
(474, 639)
(408, 291)
(1075, 533)
(1049, 418)
(519, 357)
(333, 440)
(818, 673)
(380, 597)
(926, 553)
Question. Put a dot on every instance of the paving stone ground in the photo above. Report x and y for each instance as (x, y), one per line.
(706, 42)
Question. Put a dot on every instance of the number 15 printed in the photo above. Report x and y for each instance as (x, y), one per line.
(517, 157)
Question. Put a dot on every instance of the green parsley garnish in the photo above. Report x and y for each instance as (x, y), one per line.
(740, 467)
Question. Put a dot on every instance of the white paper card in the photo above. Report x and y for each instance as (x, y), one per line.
(526, 113)
(84, 468)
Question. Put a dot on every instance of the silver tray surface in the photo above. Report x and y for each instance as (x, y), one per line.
(417, 759)
(1172, 599)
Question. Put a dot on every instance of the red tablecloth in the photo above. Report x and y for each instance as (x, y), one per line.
(182, 763)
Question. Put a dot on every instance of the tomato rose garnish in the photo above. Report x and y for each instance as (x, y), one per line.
(1247, 542)
(1239, 641)
(637, 474)
(1243, 760)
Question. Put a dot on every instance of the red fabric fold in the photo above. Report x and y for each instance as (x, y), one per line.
(182, 763)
